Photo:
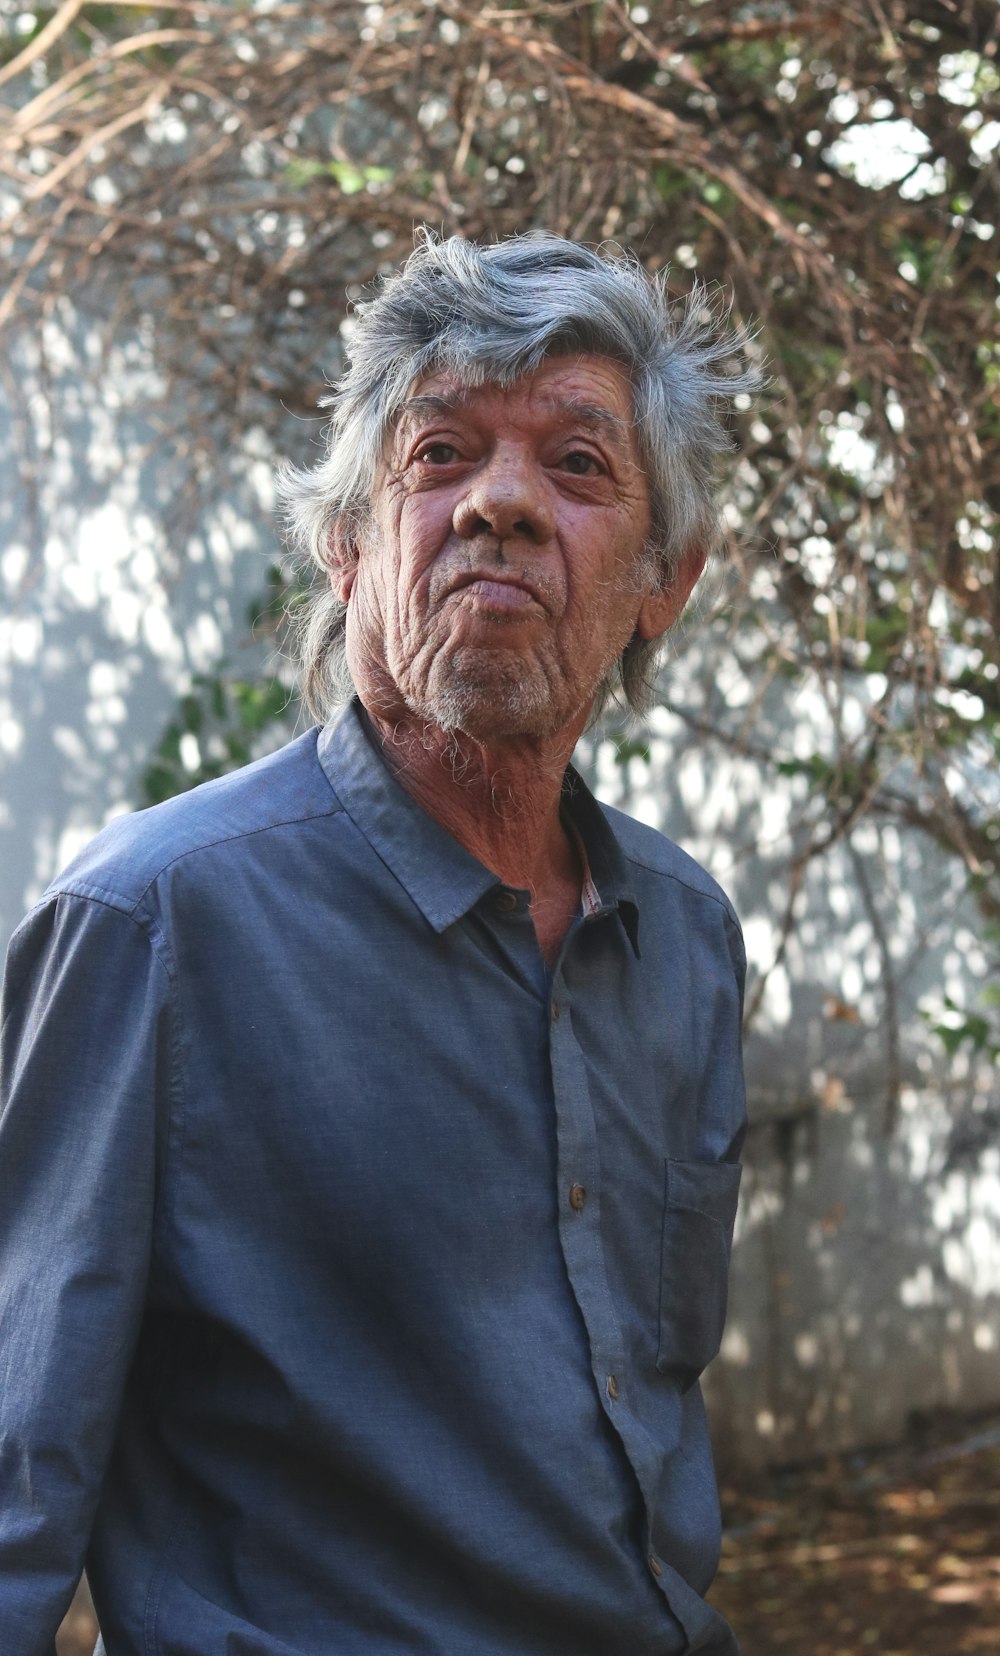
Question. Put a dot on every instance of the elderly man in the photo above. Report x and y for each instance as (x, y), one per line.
(371, 1116)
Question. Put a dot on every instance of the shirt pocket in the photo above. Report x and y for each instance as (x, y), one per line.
(698, 1216)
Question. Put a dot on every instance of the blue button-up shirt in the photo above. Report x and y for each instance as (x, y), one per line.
(355, 1271)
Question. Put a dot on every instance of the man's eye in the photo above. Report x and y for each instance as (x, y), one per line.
(437, 454)
(579, 463)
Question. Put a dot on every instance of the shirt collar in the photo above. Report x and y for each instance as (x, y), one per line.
(608, 865)
(441, 877)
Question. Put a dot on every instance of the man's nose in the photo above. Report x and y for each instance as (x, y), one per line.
(508, 497)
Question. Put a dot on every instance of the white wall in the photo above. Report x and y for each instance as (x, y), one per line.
(112, 593)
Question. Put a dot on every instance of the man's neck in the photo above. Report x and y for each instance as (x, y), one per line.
(501, 801)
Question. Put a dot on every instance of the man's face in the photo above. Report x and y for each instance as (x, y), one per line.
(504, 570)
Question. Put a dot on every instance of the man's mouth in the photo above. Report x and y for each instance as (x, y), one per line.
(497, 593)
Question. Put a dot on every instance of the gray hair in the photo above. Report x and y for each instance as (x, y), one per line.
(492, 314)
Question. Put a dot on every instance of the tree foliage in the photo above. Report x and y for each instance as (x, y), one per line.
(219, 176)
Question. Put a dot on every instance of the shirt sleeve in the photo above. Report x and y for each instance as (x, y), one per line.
(84, 1072)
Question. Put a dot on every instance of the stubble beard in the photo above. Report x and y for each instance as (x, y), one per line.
(495, 695)
(486, 694)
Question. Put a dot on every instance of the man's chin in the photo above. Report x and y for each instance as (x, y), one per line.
(498, 705)
(488, 721)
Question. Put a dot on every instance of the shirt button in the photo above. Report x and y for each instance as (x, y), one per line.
(506, 900)
(655, 1565)
(577, 1197)
(612, 1386)
(555, 1011)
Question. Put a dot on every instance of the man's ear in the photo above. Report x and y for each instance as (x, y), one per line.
(341, 558)
(659, 610)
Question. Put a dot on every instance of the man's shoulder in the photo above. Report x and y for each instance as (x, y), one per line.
(128, 856)
(653, 852)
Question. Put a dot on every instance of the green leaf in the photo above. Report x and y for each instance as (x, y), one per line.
(170, 744)
(159, 783)
(668, 182)
(350, 179)
(192, 714)
(632, 749)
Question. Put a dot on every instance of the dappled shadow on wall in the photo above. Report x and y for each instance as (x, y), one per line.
(866, 1285)
(117, 585)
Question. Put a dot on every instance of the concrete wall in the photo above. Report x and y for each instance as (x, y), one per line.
(115, 587)
(866, 1282)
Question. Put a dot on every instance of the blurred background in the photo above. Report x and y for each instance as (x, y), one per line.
(190, 197)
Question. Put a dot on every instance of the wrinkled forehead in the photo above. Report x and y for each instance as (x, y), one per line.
(591, 392)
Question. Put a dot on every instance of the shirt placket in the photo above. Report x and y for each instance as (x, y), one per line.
(579, 1175)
